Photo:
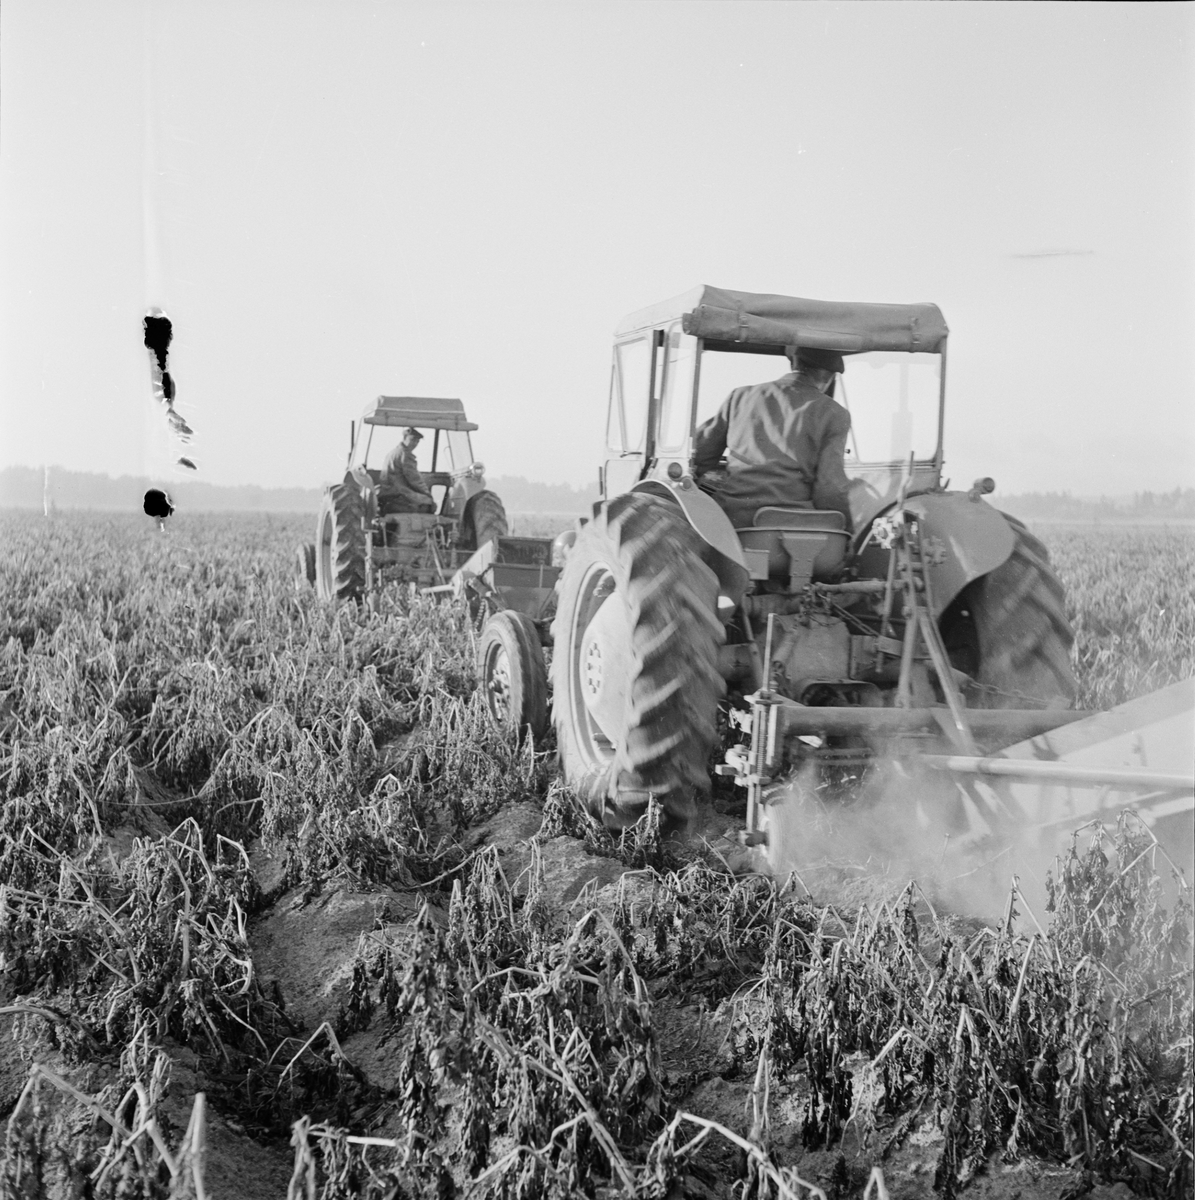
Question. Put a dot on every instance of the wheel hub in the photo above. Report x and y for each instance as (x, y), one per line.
(591, 671)
(604, 667)
(498, 685)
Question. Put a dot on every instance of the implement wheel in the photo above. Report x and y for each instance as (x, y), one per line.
(340, 545)
(484, 520)
(514, 680)
(1009, 631)
(305, 566)
(635, 663)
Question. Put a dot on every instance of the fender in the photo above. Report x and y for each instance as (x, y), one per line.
(359, 479)
(974, 535)
(714, 527)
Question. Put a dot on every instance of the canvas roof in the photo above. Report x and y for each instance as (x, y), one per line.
(423, 412)
(745, 320)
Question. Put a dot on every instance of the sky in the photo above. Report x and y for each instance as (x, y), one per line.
(337, 200)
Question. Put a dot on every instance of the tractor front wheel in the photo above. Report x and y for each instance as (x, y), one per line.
(484, 520)
(514, 680)
(635, 663)
(340, 545)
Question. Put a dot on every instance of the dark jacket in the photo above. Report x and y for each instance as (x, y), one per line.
(402, 477)
(784, 443)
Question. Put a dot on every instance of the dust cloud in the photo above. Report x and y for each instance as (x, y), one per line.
(853, 840)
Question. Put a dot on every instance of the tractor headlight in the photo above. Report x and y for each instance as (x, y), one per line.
(561, 545)
(477, 470)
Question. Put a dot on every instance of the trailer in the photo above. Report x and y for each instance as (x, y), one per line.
(511, 583)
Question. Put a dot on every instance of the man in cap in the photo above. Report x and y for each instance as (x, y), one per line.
(784, 442)
(402, 487)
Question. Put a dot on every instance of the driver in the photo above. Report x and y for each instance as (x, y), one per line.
(402, 484)
(784, 442)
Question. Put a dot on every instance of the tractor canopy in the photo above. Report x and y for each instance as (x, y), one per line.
(760, 323)
(422, 412)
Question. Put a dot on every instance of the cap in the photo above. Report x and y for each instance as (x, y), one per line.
(828, 360)
(412, 429)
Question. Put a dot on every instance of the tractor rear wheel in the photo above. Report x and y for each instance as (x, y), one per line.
(305, 566)
(514, 680)
(1009, 631)
(340, 548)
(635, 663)
(484, 520)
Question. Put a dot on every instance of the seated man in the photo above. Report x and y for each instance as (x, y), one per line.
(784, 442)
(401, 488)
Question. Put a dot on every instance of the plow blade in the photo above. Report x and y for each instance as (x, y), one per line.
(1137, 756)
(1043, 772)
(1064, 772)
(989, 724)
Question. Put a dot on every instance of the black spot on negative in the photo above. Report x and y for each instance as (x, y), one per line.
(157, 504)
(158, 333)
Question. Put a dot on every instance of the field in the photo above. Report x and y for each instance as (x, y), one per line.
(281, 915)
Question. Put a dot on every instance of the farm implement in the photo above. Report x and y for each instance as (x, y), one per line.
(1030, 776)
(513, 580)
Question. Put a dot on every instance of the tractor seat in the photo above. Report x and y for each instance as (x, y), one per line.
(390, 505)
(798, 518)
(801, 543)
(414, 523)
(431, 478)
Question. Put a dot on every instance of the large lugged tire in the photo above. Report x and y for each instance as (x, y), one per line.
(635, 663)
(1009, 631)
(514, 680)
(305, 566)
(340, 545)
(484, 520)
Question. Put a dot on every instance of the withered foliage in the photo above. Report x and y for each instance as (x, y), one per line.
(529, 1044)
(165, 704)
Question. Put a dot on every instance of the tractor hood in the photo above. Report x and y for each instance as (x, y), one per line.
(745, 320)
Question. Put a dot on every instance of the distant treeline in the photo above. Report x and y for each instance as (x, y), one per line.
(23, 487)
(525, 495)
(1062, 506)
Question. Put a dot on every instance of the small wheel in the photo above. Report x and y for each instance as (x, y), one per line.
(305, 566)
(514, 679)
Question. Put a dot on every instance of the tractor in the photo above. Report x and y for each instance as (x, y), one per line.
(796, 652)
(680, 639)
(361, 543)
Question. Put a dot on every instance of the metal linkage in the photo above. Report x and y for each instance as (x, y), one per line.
(990, 724)
(1062, 772)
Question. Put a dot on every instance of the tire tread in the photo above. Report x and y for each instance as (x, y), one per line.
(673, 698)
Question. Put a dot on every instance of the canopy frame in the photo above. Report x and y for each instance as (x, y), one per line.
(419, 412)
